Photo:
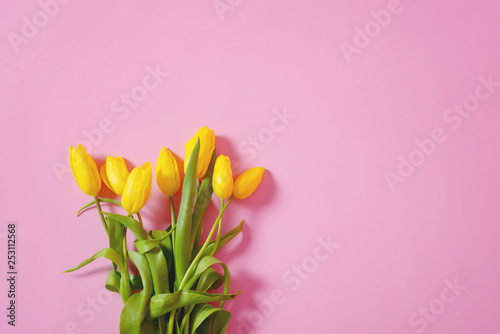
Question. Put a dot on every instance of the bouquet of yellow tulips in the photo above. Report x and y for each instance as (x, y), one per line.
(176, 270)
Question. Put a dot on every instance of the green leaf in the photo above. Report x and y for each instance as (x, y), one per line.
(209, 261)
(107, 253)
(149, 327)
(100, 200)
(211, 279)
(203, 266)
(163, 303)
(155, 257)
(115, 234)
(220, 321)
(135, 282)
(159, 270)
(165, 244)
(166, 247)
(182, 239)
(132, 224)
(144, 246)
(205, 263)
(134, 311)
(203, 198)
(205, 316)
(113, 281)
(223, 240)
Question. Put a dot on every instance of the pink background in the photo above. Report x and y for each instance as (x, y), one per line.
(351, 118)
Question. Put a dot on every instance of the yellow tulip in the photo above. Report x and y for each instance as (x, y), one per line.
(247, 182)
(137, 188)
(104, 176)
(222, 180)
(84, 170)
(114, 173)
(167, 173)
(207, 145)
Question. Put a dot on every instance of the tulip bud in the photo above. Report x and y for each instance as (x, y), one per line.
(114, 173)
(137, 188)
(222, 179)
(167, 173)
(207, 145)
(247, 182)
(84, 170)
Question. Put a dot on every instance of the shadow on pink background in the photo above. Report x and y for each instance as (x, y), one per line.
(366, 222)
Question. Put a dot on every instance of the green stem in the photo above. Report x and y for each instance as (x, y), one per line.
(217, 238)
(172, 214)
(205, 245)
(171, 322)
(216, 245)
(127, 293)
(161, 321)
(98, 205)
(191, 307)
(185, 323)
(162, 325)
(172, 210)
(140, 219)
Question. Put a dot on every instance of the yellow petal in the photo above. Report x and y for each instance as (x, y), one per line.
(137, 188)
(247, 182)
(167, 173)
(117, 173)
(84, 170)
(222, 180)
(207, 145)
(104, 177)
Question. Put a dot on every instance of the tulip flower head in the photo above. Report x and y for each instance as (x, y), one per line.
(222, 179)
(114, 173)
(207, 146)
(84, 170)
(247, 182)
(137, 188)
(167, 173)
